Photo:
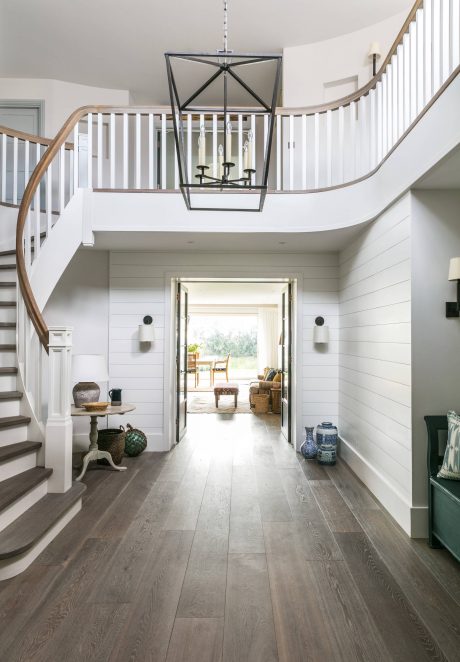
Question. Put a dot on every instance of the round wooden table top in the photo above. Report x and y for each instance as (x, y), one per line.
(121, 409)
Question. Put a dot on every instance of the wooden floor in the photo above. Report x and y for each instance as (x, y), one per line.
(231, 549)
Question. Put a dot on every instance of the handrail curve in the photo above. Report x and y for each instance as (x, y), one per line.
(22, 135)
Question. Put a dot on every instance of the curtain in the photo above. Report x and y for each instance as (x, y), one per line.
(267, 338)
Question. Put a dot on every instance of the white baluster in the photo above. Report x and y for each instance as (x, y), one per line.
(151, 130)
(125, 151)
(436, 45)
(341, 152)
(49, 198)
(58, 447)
(316, 150)
(15, 171)
(26, 163)
(400, 57)
(76, 157)
(189, 147)
(27, 242)
(279, 153)
(420, 62)
(138, 151)
(329, 148)
(112, 153)
(176, 166)
(71, 172)
(265, 134)
(445, 40)
(373, 130)
(361, 142)
(214, 145)
(394, 109)
(90, 150)
(291, 152)
(455, 34)
(406, 48)
(254, 138)
(37, 203)
(352, 139)
(4, 167)
(413, 71)
(163, 151)
(428, 21)
(100, 153)
(304, 152)
(390, 105)
(379, 92)
(62, 178)
(240, 145)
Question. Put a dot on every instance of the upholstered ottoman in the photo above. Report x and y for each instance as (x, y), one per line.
(226, 389)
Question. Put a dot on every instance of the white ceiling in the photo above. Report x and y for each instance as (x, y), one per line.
(109, 43)
(226, 242)
(237, 294)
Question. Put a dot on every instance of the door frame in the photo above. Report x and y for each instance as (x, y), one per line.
(231, 274)
(39, 104)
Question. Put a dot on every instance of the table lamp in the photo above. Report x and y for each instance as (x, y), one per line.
(86, 370)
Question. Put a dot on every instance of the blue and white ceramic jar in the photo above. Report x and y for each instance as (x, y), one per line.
(309, 448)
(326, 439)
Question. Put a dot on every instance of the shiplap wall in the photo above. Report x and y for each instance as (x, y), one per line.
(139, 283)
(375, 358)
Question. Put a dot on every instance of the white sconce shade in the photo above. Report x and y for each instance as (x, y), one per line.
(375, 50)
(320, 335)
(89, 368)
(146, 331)
(454, 268)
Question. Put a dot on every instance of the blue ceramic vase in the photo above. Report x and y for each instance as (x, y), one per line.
(326, 438)
(309, 448)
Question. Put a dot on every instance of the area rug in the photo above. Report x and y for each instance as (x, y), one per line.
(204, 403)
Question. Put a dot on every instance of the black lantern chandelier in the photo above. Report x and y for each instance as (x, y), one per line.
(247, 87)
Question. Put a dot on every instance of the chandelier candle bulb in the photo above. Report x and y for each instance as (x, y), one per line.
(245, 156)
(220, 161)
(229, 142)
(250, 149)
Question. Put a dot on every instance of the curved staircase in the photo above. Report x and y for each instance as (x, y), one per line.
(30, 517)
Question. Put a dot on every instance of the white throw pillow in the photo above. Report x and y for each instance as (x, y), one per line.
(451, 465)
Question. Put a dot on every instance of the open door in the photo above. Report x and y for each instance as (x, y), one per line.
(286, 350)
(181, 360)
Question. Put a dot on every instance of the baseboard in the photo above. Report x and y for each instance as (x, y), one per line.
(413, 520)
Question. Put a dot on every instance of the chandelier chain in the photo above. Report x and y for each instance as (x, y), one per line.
(225, 25)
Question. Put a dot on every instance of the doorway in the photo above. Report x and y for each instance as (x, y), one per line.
(234, 348)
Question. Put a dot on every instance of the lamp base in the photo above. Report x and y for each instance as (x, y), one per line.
(84, 392)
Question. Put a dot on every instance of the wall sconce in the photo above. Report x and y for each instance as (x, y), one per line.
(374, 55)
(453, 307)
(146, 330)
(320, 332)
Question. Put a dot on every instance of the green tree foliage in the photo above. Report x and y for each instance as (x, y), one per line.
(234, 343)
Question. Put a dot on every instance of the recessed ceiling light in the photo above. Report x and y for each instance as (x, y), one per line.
(190, 242)
(281, 242)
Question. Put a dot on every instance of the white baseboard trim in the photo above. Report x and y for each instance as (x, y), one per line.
(413, 520)
(14, 566)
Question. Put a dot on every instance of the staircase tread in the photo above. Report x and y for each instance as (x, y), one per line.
(27, 529)
(10, 395)
(7, 325)
(8, 304)
(7, 283)
(13, 421)
(9, 371)
(5, 267)
(7, 348)
(15, 487)
(21, 448)
(12, 251)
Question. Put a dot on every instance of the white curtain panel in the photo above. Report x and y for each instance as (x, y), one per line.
(267, 338)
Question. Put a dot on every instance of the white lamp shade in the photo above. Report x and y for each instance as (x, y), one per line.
(146, 333)
(320, 334)
(89, 368)
(375, 49)
(454, 268)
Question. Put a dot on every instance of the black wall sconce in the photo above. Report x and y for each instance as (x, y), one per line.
(453, 307)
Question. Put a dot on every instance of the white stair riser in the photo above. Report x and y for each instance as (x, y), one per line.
(8, 275)
(7, 314)
(16, 466)
(12, 567)
(7, 336)
(7, 293)
(7, 382)
(9, 408)
(7, 259)
(20, 506)
(8, 359)
(13, 435)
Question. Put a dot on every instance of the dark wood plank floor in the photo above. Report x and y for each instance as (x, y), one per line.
(232, 549)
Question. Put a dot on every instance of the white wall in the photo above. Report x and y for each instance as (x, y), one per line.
(61, 98)
(140, 285)
(375, 359)
(435, 339)
(307, 68)
(81, 300)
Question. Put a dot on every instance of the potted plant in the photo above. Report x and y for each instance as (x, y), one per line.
(193, 348)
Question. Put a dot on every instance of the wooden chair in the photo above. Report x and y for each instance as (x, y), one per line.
(192, 367)
(221, 368)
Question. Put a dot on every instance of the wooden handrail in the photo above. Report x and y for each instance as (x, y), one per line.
(56, 143)
(21, 135)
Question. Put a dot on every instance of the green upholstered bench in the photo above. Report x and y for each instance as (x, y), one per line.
(443, 495)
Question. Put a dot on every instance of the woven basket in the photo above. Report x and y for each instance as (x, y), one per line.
(260, 402)
(113, 441)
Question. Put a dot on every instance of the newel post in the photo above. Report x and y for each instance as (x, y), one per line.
(58, 440)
